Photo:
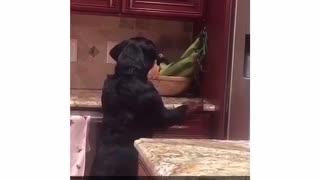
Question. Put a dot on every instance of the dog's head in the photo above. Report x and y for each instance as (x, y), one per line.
(136, 54)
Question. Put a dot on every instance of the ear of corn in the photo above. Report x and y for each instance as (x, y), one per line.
(188, 72)
(163, 66)
(185, 66)
(193, 47)
(175, 68)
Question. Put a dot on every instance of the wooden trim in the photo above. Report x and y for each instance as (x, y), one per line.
(214, 81)
(144, 170)
(191, 11)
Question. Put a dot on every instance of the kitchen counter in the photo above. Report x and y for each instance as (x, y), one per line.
(92, 99)
(194, 157)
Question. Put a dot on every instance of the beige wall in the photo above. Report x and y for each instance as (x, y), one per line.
(89, 72)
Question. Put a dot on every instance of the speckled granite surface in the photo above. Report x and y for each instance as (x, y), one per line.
(85, 98)
(92, 99)
(188, 157)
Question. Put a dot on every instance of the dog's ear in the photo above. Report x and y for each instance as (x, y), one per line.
(117, 49)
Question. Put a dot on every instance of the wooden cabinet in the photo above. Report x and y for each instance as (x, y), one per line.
(215, 85)
(155, 8)
(168, 8)
(224, 83)
(196, 126)
(144, 171)
(96, 6)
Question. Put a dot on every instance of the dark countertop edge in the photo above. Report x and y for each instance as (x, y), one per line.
(206, 107)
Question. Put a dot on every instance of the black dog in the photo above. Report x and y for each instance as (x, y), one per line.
(132, 109)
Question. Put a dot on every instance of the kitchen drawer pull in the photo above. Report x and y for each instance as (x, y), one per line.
(246, 64)
(180, 127)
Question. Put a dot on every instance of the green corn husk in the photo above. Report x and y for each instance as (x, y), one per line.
(186, 72)
(162, 70)
(192, 57)
(163, 66)
(175, 68)
(194, 46)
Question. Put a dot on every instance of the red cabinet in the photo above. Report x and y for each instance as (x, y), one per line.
(155, 8)
(195, 127)
(96, 6)
(168, 8)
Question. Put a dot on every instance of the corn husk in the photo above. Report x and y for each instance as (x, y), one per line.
(192, 48)
(174, 69)
(193, 56)
(163, 66)
(188, 72)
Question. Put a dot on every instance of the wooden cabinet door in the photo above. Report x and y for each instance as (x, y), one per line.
(98, 6)
(195, 127)
(168, 8)
(215, 78)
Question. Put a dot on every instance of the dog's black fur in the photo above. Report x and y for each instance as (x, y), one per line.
(132, 109)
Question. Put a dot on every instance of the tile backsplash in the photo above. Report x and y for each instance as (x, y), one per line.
(91, 35)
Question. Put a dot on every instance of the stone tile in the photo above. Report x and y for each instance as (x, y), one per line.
(126, 23)
(89, 30)
(142, 24)
(93, 51)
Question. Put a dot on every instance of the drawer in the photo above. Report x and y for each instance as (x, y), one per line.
(197, 126)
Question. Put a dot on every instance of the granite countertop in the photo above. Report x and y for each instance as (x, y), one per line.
(92, 99)
(193, 157)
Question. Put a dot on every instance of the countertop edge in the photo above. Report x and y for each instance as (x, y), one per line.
(148, 164)
(152, 168)
(92, 99)
(206, 107)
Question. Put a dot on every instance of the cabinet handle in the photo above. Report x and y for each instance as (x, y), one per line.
(111, 2)
(180, 127)
(246, 64)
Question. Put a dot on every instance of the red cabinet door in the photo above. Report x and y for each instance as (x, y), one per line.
(214, 83)
(195, 127)
(168, 8)
(99, 6)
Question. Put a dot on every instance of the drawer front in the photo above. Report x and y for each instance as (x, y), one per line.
(99, 6)
(197, 126)
(169, 8)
